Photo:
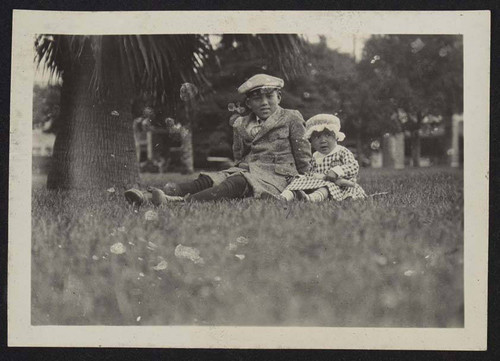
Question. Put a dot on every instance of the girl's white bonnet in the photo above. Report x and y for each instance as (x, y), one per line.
(320, 122)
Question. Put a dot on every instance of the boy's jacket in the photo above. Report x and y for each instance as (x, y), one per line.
(278, 151)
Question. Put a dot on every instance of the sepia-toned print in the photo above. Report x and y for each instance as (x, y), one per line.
(268, 179)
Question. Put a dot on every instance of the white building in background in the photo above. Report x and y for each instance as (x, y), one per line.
(457, 139)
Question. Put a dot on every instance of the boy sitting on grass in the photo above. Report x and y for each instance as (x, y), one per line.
(333, 167)
(269, 148)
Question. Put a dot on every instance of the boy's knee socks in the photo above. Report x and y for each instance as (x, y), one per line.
(231, 188)
(199, 184)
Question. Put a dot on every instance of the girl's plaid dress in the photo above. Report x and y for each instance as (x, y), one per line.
(342, 162)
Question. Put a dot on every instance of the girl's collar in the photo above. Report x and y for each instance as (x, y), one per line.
(320, 156)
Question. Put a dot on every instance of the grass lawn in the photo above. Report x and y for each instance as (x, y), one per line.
(394, 260)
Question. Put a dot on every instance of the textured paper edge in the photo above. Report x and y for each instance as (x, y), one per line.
(474, 25)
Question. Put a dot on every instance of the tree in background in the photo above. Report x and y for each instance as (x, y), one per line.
(102, 75)
(405, 79)
(46, 108)
(324, 88)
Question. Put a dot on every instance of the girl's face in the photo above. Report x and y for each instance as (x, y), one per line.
(324, 141)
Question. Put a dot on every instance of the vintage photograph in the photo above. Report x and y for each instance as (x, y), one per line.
(161, 196)
(248, 179)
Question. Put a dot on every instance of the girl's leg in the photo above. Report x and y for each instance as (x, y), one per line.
(287, 195)
(318, 195)
(233, 187)
(181, 189)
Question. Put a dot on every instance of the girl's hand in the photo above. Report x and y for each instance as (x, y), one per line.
(342, 182)
(319, 176)
(332, 176)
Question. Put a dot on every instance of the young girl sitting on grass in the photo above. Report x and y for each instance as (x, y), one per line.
(333, 167)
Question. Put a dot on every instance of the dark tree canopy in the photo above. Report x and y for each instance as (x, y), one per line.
(420, 74)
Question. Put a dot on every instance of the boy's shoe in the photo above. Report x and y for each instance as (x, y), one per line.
(134, 197)
(158, 197)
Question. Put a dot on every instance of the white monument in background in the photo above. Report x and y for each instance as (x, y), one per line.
(457, 132)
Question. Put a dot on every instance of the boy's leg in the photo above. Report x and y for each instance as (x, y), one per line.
(158, 197)
(318, 195)
(181, 189)
(233, 187)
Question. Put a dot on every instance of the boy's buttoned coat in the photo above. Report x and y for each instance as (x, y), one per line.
(276, 153)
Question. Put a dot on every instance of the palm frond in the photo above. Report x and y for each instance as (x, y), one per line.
(153, 64)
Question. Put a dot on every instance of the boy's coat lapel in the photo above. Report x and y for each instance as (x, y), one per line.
(269, 124)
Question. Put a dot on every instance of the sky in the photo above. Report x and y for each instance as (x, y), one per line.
(350, 44)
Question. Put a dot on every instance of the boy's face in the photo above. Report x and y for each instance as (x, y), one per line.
(323, 141)
(264, 104)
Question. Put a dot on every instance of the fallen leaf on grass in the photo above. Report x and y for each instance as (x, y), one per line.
(151, 216)
(242, 240)
(118, 248)
(161, 266)
(119, 229)
(189, 253)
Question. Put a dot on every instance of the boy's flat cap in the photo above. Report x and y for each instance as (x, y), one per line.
(261, 81)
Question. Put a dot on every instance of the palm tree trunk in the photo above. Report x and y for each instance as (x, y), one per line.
(94, 147)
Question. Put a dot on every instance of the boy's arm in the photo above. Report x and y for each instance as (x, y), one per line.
(239, 150)
(301, 148)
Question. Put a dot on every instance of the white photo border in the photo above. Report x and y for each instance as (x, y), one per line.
(475, 28)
